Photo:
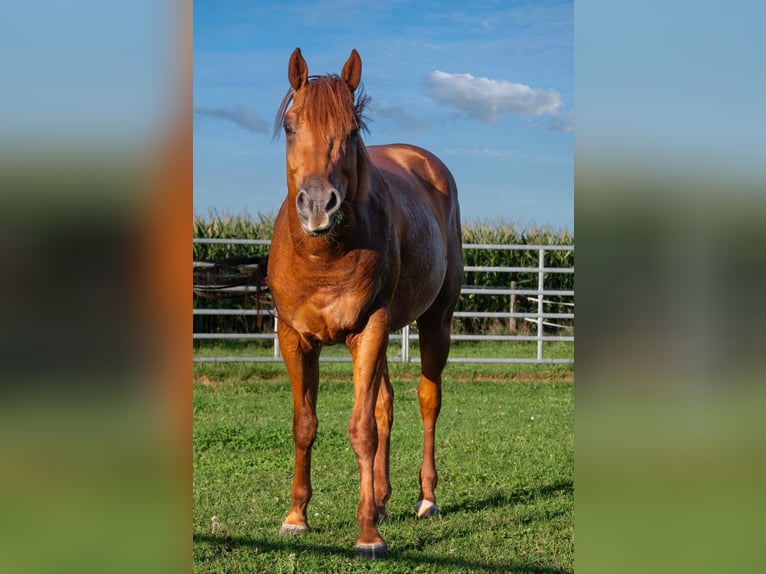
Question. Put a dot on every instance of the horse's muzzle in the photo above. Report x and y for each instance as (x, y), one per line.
(318, 209)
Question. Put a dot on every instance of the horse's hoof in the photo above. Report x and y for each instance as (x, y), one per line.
(372, 551)
(426, 509)
(292, 530)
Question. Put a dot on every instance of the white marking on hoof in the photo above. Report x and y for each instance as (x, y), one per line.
(426, 509)
(292, 529)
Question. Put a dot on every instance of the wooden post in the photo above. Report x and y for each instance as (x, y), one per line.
(512, 320)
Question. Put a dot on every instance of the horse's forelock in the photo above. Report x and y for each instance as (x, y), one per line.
(329, 106)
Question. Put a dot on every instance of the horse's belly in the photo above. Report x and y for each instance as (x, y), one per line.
(418, 287)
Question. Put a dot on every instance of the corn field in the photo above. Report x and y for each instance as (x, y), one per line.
(261, 226)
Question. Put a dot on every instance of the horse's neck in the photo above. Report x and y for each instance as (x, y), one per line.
(366, 173)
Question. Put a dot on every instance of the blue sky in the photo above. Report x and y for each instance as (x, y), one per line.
(485, 85)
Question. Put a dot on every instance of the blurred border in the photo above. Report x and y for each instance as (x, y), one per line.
(96, 181)
(669, 210)
(95, 253)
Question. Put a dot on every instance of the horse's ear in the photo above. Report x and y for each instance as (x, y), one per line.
(297, 70)
(352, 70)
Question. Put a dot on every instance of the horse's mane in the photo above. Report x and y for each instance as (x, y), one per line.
(329, 106)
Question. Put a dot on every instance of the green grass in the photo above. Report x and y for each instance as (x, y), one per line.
(504, 453)
(461, 349)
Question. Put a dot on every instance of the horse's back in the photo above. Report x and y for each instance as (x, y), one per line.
(403, 160)
(419, 174)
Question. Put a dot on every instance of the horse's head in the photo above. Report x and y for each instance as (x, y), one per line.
(322, 131)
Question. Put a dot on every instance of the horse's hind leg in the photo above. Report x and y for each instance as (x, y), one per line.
(434, 336)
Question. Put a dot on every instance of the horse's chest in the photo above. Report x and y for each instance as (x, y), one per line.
(329, 315)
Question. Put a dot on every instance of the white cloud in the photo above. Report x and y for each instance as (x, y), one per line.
(561, 122)
(485, 99)
(242, 116)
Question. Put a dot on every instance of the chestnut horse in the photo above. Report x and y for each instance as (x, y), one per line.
(367, 241)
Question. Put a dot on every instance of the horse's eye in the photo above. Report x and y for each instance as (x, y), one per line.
(288, 129)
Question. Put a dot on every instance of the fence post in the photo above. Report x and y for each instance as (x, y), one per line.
(276, 338)
(540, 289)
(406, 344)
(512, 320)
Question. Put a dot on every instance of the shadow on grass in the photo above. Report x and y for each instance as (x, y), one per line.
(408, 557)
(496, 500)
(499, 499)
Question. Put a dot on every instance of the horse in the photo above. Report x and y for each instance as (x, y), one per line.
(367, 241)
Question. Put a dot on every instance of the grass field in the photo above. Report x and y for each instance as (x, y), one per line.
(505, 457)
(462, 349)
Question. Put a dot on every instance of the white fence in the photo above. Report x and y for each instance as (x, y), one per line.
(538, 319)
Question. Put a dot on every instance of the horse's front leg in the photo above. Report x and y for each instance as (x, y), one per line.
(368, 350)
(302, 364)
(384, 418)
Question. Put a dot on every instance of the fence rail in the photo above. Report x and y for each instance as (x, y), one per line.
(539, 318)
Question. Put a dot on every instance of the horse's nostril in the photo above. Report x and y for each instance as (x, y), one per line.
(332, 203)
(301, 200)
